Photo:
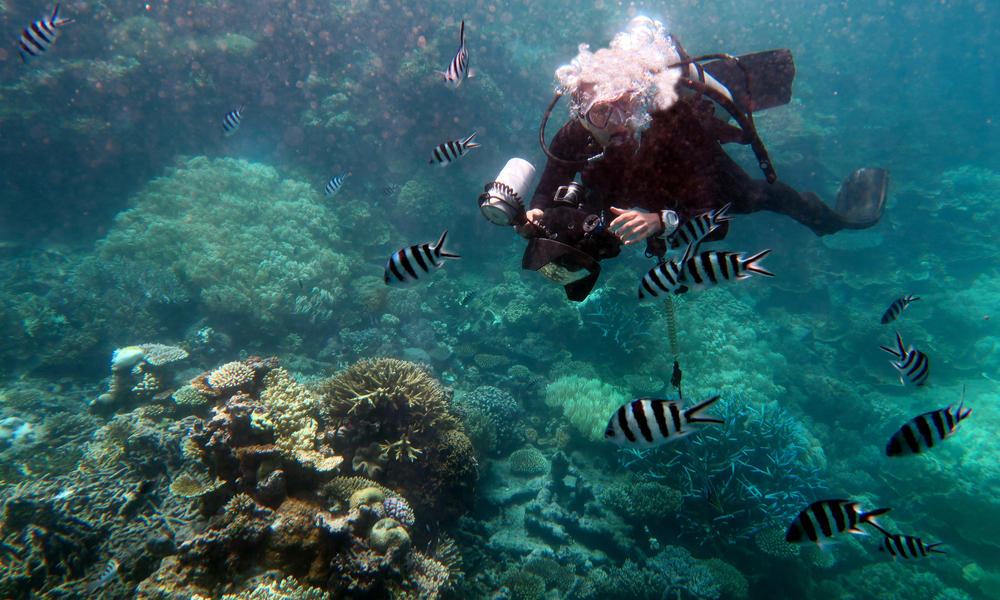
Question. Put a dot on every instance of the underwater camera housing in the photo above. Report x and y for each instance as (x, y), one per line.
(575, 243)
(502, 202)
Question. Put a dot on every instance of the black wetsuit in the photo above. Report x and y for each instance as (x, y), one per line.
(682, 166)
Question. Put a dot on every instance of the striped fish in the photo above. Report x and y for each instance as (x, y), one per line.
(333, 186)
(711, 268)
(907, 546)
(458, 68)
(446, 153)
(648, 423)
(407, 266)
(665, 278)
(925, 431)
(693, 231)
(41, 34)
(892, 313)
(822, 521)
(110, 570)
(390, 189)
(913, 365)
(231, 122)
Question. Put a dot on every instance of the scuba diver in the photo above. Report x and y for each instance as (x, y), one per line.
(646, 141)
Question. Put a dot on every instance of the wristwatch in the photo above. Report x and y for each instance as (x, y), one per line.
(669, 221)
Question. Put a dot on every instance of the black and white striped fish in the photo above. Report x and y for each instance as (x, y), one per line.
(648, 423)
(390, 189)
(711, 268)
(913, 365)
(333, 186)
(665, 278)
(446, 153)
(110, 570)
(41, 34)
(927, 430)
(693, 231)
(821, 521)
(897, 307)
(458, 68)
(231, 122)
(907, 546)
(407, 266)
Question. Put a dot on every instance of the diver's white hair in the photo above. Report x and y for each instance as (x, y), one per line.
(636, 61)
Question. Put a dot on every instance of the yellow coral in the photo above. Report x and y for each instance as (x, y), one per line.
(587, 403)
(367, 496)
(292, 412)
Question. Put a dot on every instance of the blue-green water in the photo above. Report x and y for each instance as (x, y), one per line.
(128, 219)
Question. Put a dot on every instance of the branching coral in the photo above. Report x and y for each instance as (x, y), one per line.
(757, 468)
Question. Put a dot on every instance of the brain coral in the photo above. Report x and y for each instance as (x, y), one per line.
(528, 461)
(255, 244)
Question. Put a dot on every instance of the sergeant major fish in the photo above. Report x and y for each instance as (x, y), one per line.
(390, 189)
(110, 571)
(333, 186)
(897, 307)
(821, 521)
(913, 365)
(407, 266)
(648, 423)
(711, 268)
(693, 231)
(448, 152)
(39, 36)
(458, 68)
(925, 431)
(231, 122)
(907, 546)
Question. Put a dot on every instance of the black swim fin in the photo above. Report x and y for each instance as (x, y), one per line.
(862, 196)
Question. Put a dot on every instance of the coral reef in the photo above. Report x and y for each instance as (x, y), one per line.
(398, 406)
(587, 403)
(257, 246)
(491, 418)
(755, 470)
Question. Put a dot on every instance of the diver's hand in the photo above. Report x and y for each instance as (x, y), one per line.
(530, 228)
(633, 226)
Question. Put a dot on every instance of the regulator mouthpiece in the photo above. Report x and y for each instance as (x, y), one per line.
(503, 199)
